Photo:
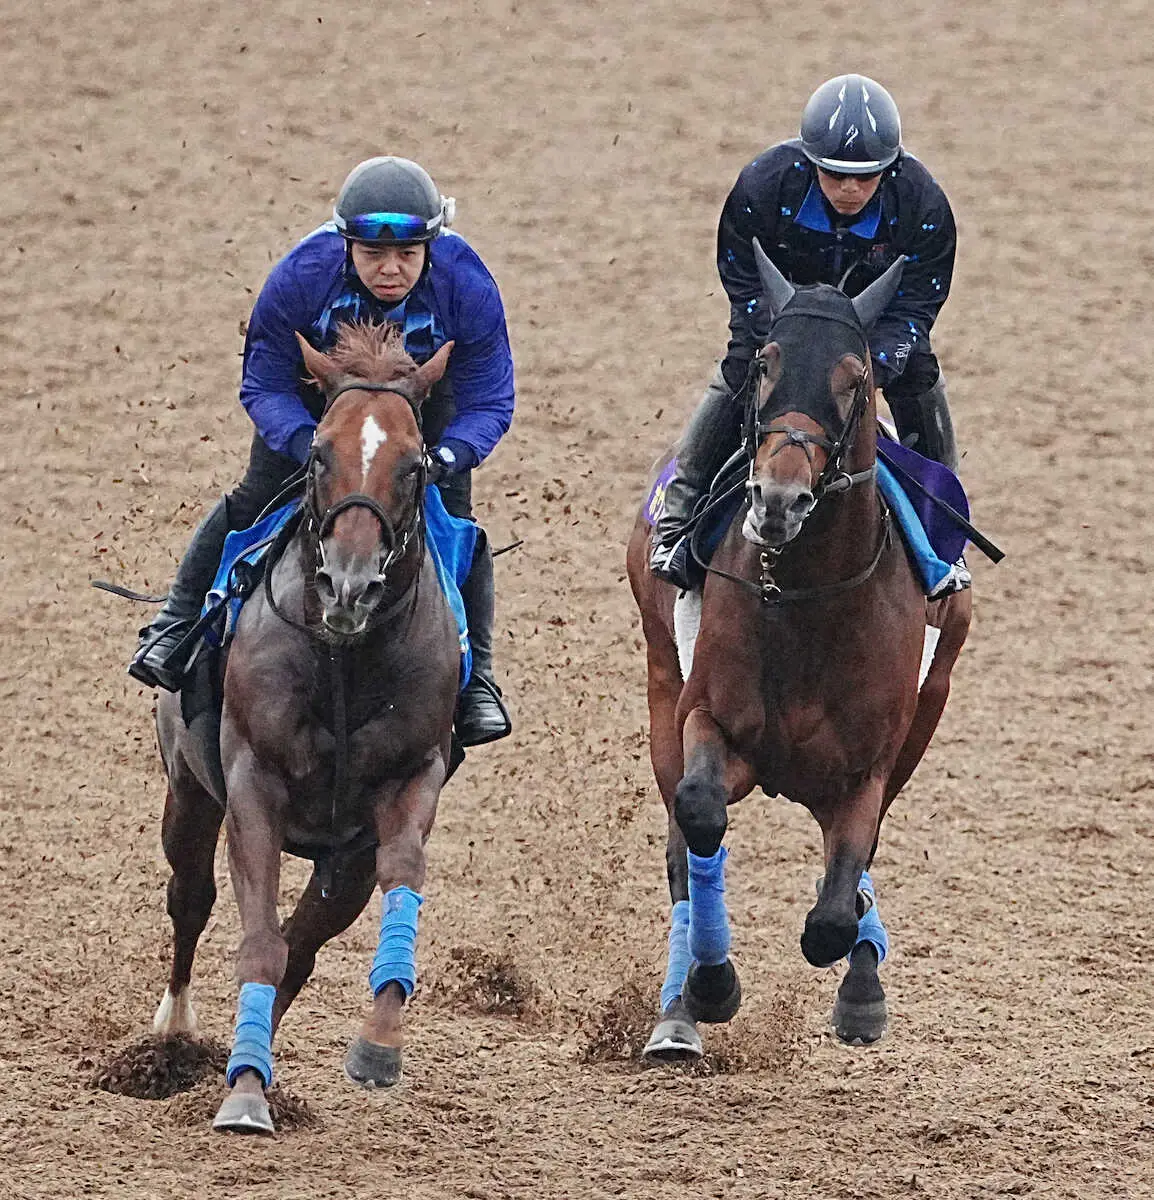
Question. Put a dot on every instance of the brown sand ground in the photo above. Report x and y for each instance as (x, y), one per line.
(157, 157)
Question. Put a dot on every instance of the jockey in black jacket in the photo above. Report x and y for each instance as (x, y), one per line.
(836, 205)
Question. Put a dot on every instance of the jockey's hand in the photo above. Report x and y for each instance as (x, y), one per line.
(435, 468)
(448, 458)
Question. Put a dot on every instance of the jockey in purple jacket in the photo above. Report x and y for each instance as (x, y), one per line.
(387, 255)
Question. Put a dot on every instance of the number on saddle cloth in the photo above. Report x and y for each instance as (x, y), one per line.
(715, 511)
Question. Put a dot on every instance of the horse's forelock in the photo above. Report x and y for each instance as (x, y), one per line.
(372, 352)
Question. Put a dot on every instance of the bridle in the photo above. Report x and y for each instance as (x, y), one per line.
(318, 524)
(832, 480)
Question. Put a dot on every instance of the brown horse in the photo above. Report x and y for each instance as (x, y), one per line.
(805, 674)
(334, 735)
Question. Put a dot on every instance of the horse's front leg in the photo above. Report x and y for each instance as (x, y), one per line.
(255, 834)
(404, 819)
(714, 778)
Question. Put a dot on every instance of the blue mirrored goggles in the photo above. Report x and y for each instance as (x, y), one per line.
(389, 227)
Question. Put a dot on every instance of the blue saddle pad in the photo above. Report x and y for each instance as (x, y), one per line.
(933, 540)
(451, 541)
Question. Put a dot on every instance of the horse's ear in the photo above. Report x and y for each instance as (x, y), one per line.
(318, 365)
(432, 371)
(870, 304)
(776, 290)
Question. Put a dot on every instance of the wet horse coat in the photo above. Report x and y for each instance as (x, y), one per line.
(804, 677)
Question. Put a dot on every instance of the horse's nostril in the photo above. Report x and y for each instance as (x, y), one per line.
(325, 590)
(371, 596)
(802, 503)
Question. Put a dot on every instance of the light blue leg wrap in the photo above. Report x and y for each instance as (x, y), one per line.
(870, 928)
(708, 920)
(396, 957)
(679, 956)
(252, 1045)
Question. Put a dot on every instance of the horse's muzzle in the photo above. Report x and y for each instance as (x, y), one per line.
(776, 512)
(348, 599)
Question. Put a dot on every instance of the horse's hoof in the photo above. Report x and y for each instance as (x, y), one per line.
(825, 941)
(674, 1038)
(712, 995)
(860, 1023)
(370, 1065)
(244, 1112)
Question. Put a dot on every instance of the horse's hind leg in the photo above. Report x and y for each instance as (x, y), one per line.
(317, 919)
(954, 615)
(189, 832)
(674, 1037)
(859, 1013)
(849, 829)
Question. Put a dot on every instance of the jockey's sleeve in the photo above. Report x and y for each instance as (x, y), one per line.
(908, 318)
(273, 368)
(480, 370)
(746, 214)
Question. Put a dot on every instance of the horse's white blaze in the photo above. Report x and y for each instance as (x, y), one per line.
(175, 1014)
(373, 437)
(929, 648)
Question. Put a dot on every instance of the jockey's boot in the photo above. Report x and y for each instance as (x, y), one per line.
(481, 713)
(710, 437)
(160, 659)
(924, 423)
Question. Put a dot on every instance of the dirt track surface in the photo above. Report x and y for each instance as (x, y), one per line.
(157, 158)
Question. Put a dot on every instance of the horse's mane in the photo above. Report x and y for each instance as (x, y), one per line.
(374, 353)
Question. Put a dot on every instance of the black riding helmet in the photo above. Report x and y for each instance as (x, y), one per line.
(851, 126)
(391, 201)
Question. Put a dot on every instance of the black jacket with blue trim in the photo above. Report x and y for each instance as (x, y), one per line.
(778, 201)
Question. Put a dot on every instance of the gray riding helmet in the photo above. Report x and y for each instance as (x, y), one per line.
(851, 126)
(391, 201)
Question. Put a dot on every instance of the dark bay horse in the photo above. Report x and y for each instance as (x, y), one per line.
(338, 699)
(804, 678)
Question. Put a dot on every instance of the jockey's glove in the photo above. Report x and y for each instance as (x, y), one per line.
(450, 457)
